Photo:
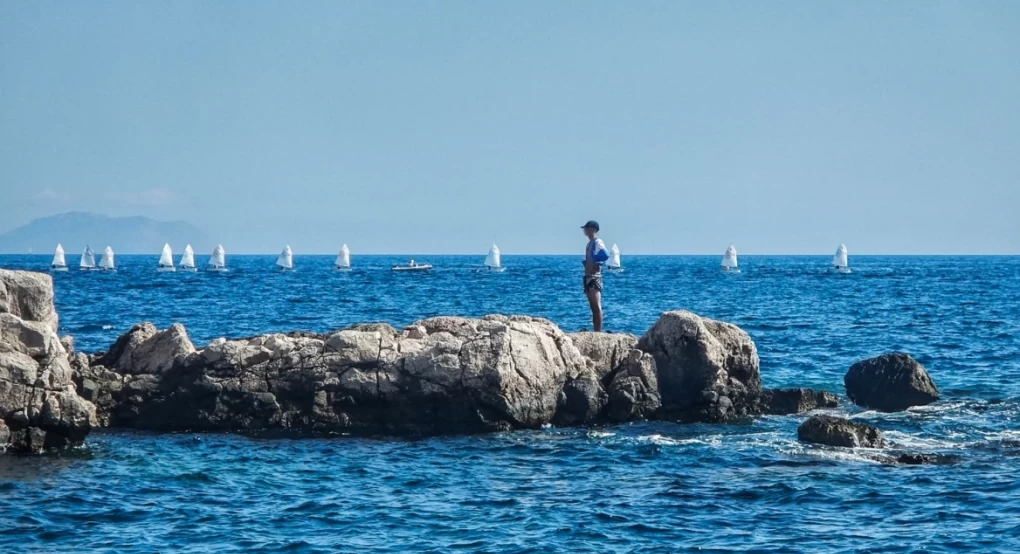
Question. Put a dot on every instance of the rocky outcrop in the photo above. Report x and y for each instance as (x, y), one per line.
(795, 401)
(890, 383)
(145, 350)
(707, 370)
(39, 407)
(837, 431)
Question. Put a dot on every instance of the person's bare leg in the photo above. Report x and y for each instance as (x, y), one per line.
(595, 301)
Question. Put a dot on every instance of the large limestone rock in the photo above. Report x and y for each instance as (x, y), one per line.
(443, 374)
(890, 383)
(144, 349)
(837, 431)
(707, 369)
(39, 407)
(28, 296)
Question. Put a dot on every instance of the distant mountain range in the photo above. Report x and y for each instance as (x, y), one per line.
(126, 235)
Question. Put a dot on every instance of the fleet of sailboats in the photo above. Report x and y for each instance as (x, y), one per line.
(492, 260)
(188, 259)
(286, 259)
(58, 263)
(343, 259)
(166, 259)
(729, 260)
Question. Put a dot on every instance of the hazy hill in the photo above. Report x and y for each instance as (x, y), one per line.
(126, 235)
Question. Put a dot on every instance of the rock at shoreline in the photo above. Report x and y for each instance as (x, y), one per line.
(796, 401)
(707, 370)
(890, 383)
(144, 349)
(39, 407)
(837, 431)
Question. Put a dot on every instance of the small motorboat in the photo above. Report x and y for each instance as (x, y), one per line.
(413, 266)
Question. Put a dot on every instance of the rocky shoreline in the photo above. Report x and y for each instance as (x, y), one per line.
(437, 376)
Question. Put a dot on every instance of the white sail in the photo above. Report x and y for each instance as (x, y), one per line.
(729, 260)
(343, 259)
(286, 259)
(218, 260)
(188, 258)
(88, 259)
(107, 262)
(58, 258)
(614, 258)
(492, 260)
(840, 260)
(166, 259)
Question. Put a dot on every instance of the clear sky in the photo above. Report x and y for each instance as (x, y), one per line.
(781, 127)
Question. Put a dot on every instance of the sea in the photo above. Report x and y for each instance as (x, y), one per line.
(748, 486)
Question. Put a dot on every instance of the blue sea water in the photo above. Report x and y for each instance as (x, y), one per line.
(643, 487)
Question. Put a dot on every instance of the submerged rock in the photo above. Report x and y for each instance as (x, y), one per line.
(796, 401)
(837, 431)
(39, 407)
(890, 383)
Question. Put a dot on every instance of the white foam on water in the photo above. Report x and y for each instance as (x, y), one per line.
(657, 439)
(906, 440)
(107, 327)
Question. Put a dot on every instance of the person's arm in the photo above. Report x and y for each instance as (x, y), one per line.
(599, 254)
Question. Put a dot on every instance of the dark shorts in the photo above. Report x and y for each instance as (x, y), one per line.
(593, 282)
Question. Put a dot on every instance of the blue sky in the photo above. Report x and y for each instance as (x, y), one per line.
(781, 127)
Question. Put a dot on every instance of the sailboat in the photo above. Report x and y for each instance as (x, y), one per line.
(729, 261)
(218, 260)
(286, 259)
(188, 259)
(343, 259)
(492, 260)
(58, 263)
(840, 263)
(166, 259)
(614, 260)
(88, 260)
(107, 263)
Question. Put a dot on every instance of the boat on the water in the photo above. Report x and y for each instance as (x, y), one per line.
(343, 259)
(614, 264)
(88, 260)
(218, 260)
(166, 259)
(59, 263)
(286, 259)
(107, 262)
(413, 266)
(493, 260)
(729, 260)
(840, 261)
(188, 259)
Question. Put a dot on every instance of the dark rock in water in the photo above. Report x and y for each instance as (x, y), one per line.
(39, 407)
(634, 389)
(707, 370)
(837, 431)
(923, 459)
(796, 401)
(890, 383)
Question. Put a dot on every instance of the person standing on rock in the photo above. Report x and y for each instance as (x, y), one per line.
(594, 256)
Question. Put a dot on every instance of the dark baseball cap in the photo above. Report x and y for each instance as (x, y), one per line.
(591, 223)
